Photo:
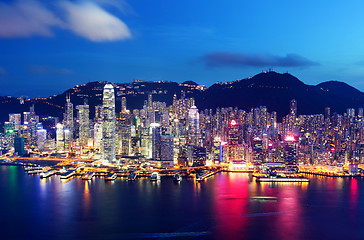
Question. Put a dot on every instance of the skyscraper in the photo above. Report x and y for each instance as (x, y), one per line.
(68, 121)
(108, 124)
(83, 118)
(193, 128)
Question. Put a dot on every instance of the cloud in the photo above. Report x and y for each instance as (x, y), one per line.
(88, 20)
(223, 59)
(3, 72)
(39, 69)
(25, 18)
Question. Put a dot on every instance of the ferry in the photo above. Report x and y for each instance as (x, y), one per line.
(88, 176)
(67, 174)
(177, 177)
(155, 177)
(48, 173)
(110, 177)
(132, 176)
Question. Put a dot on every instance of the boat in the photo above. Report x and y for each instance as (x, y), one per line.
(110, 177)
(67, 174)
(88, 176)
(177, 177)
(132, 176)
(155, 176)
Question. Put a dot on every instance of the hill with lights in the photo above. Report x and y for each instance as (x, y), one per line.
(270, 89)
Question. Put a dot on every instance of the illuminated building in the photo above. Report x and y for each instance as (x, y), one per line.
(84, 124)
(233, 140)
(290, 150)
(98, 136)
(193, 126)
(108, 124)
(16, 119)
(68, 120)
(41, 139)
(60, 138)
(98, 114)
(257, 147)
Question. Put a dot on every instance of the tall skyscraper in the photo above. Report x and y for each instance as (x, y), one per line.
(60, 137)
(68, 121)
(84, 124)
(108, 124)
(193, 128)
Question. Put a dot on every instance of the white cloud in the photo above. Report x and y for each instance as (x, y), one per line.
(88, 20)
(25, 18)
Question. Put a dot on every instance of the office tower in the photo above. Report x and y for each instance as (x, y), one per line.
(67, 139)
(84, 124)
(98, 136)
(19, 146)
(125, 138)
(41, 139)
(257, 147)
(98, 114)
(16, 119)
(10, 133)
(193, 128)
(108, 124)
(33, 121)
(123, 104)
(157, 141)
(60, 137)
(290, 146)
(233, 140)
(167, 151)
(68, 121)
(26, 116)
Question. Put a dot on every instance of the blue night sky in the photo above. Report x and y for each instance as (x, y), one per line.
(49, 46)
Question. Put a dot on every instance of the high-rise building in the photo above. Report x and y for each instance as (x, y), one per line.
(290, 151)
(16, 119)
(108, 124)
(98, 114)
(41, 139)
(84, 124)
(60, 137)
(68, 120)
(98, 136)
(193, 128)
(19, 146)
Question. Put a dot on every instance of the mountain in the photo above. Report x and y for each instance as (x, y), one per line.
(271, 89)
(275, 91)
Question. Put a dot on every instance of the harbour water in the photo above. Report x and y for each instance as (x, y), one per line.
(224, 206)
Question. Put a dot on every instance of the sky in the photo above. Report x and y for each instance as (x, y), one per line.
(49, 46)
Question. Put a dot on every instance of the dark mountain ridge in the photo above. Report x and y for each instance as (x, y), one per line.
(271, 89)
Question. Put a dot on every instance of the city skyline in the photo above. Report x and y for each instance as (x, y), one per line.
(57, 46)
